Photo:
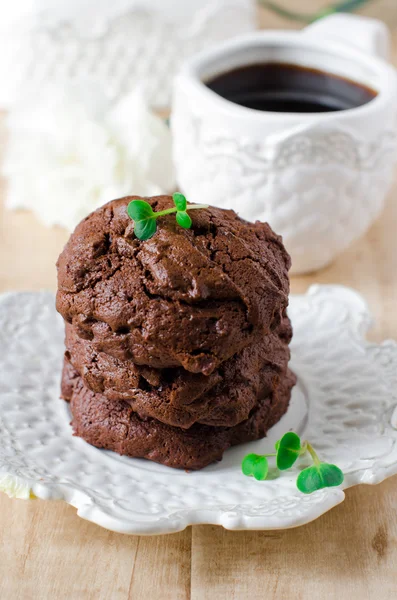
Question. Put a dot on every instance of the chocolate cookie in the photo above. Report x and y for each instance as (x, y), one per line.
(185, 298)
(179, 398)
(115, 426)
(68, 380)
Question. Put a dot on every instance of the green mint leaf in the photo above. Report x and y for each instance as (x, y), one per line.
(288, 450)
(179, 201)
(277, 445)
(139, 210)
(145, 229)
(183, 219)
(255, 465)
(145, 218)
(318, 477)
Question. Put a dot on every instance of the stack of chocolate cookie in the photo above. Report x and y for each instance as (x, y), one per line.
(177, 346)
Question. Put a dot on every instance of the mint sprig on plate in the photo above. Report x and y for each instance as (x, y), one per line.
(288, 449)
(145, 219)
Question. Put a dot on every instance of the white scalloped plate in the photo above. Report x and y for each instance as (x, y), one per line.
(344, 404)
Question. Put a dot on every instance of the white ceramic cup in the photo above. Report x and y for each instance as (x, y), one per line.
(319, 179)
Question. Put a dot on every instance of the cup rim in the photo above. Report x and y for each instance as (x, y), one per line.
(384, 70)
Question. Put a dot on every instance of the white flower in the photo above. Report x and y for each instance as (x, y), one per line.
(71, 150)
(15, 487)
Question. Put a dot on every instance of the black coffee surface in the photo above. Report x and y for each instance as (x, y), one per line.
(280, 87)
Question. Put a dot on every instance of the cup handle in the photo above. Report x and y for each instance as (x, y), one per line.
(370, 35)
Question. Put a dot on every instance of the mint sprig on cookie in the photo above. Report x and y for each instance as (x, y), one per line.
(145, 218)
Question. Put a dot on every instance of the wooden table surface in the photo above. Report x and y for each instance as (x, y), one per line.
(47, 552)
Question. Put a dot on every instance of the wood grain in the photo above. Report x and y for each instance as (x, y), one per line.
(47, 552)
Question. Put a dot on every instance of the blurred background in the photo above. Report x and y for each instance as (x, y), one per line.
(84, 98)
